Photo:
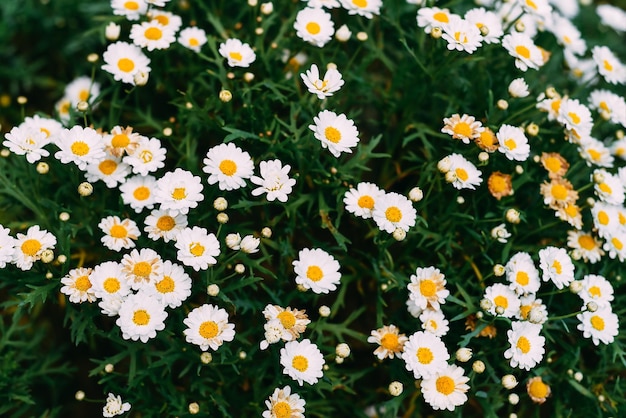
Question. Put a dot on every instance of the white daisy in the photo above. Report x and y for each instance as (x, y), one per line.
(274, 181)
(208, 327)
(302, 361)
(114, 405)
(7, 246)
(122, 140)
(329, 4)
(446, 388)
(29, 246)
(178, 191)
(518, 88)
(521, 47)
(131, 9)
(575, 116)
(291, 322)
(27, 140)
(50, 127)
(165, 18)
(390, 341)
(432, 17)
(596, 289)
(284, 404)
(609, 66)
(595, 152)
(322, 87)
(464, 174)
(434, 322)
(428, 288)
(587, 245)
(80, 146)
(602, 326)
(147, 157)
(314, 25)
(173, 287)
(513, 143)
(425, 354)
(82, 89)
(152, 35)
(615, 245)
(316, 270)
(462, 35)
(605, 218)
(124, 60)
(608, 187)
(612, 16)
(532, 309)
(567, 34)
(335, 132)
(108, 280)
(237, 53)
(118, 233)
(63, 109)
(140, 317)
(192, 38)
(366, 8)
(609, 105)
(522, 274)
(465, 127)
(361, 199)
(504, 301)
(164, 224)
(489, 24)
(111, 170)
(142, 268)
(77, 285)
(197, 248)
(556, 266)
(414, 309)
(393, 211)
(527, 346)
(138, 192)
(229, 166)
(539, 8)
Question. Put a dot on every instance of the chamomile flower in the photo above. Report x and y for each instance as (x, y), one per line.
(367, 8)
(172, 287)
(513, 143)
(302, 361)
(178, 191)
(556, 266)
(50, 127)
(111, 170)
(575, 116)
(192, 38)
(612, 16)
(124, 60)
(27, 140)
(434, 322)
(618, 148)
(489, 24)
(208, 327)
(292, 322)
(108, 280)
(428, 288)
(147, 157)
(595, 152)
(522, 274)
(131, 9)
(609, 105)
(122, 140)
(114, 405)
(165, 18)
(237, 53)
(567, 34)
(537, 389)
(229, 166)
(425, 354)
(504, 301)
(322, 87)
(596, 289)
(445, 388)
(462, 173)
(558, 193)
(605, 218)
(361, 200)
(284, 404)
(77, 285)
(197, 248)
(335, 132)
(82, 89)
(274, 181)
(152, 35)
(142, 268)
(464, 128)
(433, 17)
(317, 270)
(555, 164)
(539, 8)
(532, 309)
(500, 185)
(615, 245)
(140, 317)
(139, 192)
(587, 245)
(518, 88)
(390, 341)
(609, 66)
(80, 146)
(29, 246)
(602, 326)
(608, 187)
(314, 25)
(522, 48)
(393, 211)
(118, 233)
(462, 35)
(527, 346)
(164, 224)
(7, 246)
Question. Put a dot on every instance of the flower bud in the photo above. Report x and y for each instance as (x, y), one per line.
(444, 164)
(112, 31)
(194, 408)
(233, 241)
(342, 350)
(416, 194)
(222, 218)
(206, 358)
(324, 311)
(79, 395)
(576, 286)
(250, 244)
(109, 368)
(240, 268)
(226, 96)
(509, 381)
(85, 189)
(220, 204)
(43, 168)
(362, 36)
(513, 398)
(266, 232)
(213, 290)
(478, 366)
(141, 78)
(399, 234)
(396, 388)
(267, 8)
(464, 354)
(343, 34)
(512, 216)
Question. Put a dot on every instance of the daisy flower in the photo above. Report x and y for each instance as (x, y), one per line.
(446, 388)
(464, 127)
(500, 185)
(7, 246)
(609, 66)
(118, 233)
(108, 280)
(361, 199)
(596, 289)
(462, 173)
(367, 8)
(27, 140)
(539, 8)
(208, 327)
(610, 105)
(124, 60)
(432, 17)
(390, 341)
(323, 87)
(152, 35)
(595, 152)
(274, 181)
(131, 9)
(518, 88)
(555, 164)
(393, 211)
(29, 246)
(173, 287)
(575, 116)
(513, 143)
(165, 18)
(504, 301)
(602, 326)
(489, 24)
(316, 270)
(335, 132)
(612, 16)
(558, 193)
(302, 361)
(82, 89)
(434, 322)
(284, 404)
(314, 25)
(122, 140)
(487, 140)
(140, 317)
(522, 274)
(114, 405)
(537, 390)
(587, 245)
(147, 157)
(521, 47)
(192, 38)
(527, 346)
(138, 192)
(414, 309)
(142, 268)
(237, 53)
(111, 170)
(50, 127)
(615, 245)
(178, 191)
(550, 105)
(292, 322)
(605, 218)
(618, 148)
(77, 285)
(229, 166)
(462, 35)
(532, 309)
(249, 244)
(80, 146)
(164, 224)
(556, 266)
(608, 187)
(197, 248)
(425, 354)
(428, 288)
(567, 34)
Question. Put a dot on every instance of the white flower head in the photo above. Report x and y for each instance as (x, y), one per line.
(173, 287)
(606, 219)
(289, 322)
(164, 224)
(114, 405)
(434, 322)
(428, 288)
(27, 140)
(178, 191)
(197, 248)
(425, 354)
(335, 132)
(249, 244)
(322, 87)
(109, 281)
(609, 66)
(139, 191)
(131, 9)
(513, 143)
(487, 22)
(393, 210)
(317, 270)
(118, 234)
(608, 103)
(140, 317)
(7, 246)
(208, 327)
(573, 115)
(283, 403)
(147, 157)
(518, 88)
(390, 341)
(522, 274)
(527, 346)
(229, 166)
(595, 152)
(612, 16)
(302, 361)
(80, 146)
(274, 181)
(556, 266)
(192, 38)
(522, 48)
(237, 53)
(362, 199)
(504, 301)
(124, 60)
(82, 89)
(602, 326)
(165, 18)
(596, 289)
(30, 246)
(142, 267)
(615, 245)
(314, 25)
(608, 187)
(367, 8)
(433, 17)
(446, 388)
(152, 35)
(462, 35)
(111, 170)
(465, 175)
(588, 246)
(77, 285)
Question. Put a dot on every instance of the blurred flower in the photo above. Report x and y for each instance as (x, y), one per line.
(132, 9)
(314, 25)
(114, 406)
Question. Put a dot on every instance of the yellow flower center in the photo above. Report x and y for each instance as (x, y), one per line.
(441, 17)
(597, 322)
(531, 4)
(498, 184)
(287, 319)
(522, 51)
(457, 37)
(332, 134)
(574, 117)
(501, 301)
(522, 278)
(366, 202)
(559, 192)
(445, 385)
(462, 128)
(165, 223)
(510, 144)
(120, 141)
(428, 288)
(538, 389)
(607, 65)
(314, 273)
(282, 410)
(461, 174)
(80, 148)
(605, 188)
(125, 64)
(360, 3)
(524, 311)
(595, 156)
(617, 243)
(141, 317)
(228, 167)
(82, 284)
(235, 56)
(83, 95)
(166, 285)
(193, 42)
(142, 269)
(146, 156)
(179, 193)
(208, 329)
(196, 249)
(586, 242)
(553, 164)
(557, 266)
(604, 106)
(47, 132)
(313, 28)
(571, 210)
(162, 19)
(424, 355)
(603, 218)
(131, 5)
(118, 231)
(523, 344)
(300, 363)
(111, 285)
(107, 167)
(433, 324)
(153, 34)
(393, 214)
(595, 291)
(389, 341)
(141, 193)
(555, 105)
(31, 247)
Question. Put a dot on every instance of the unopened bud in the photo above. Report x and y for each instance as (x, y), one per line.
(226, 96)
